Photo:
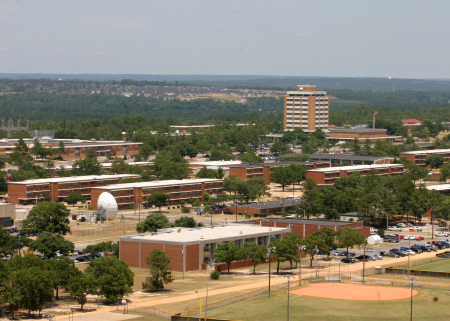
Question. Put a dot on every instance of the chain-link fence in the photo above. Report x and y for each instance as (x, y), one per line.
(406, 268)
(105, 229)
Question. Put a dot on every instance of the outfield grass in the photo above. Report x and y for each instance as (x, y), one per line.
(428, 305)
(441, 266)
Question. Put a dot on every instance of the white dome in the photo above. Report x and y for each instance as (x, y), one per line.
(108, 202)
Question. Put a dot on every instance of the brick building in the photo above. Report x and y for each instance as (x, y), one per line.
(327, 176)
(77, 148)
(134, 194)
(265, 169)
(411, 123)
(33, 190)
(269, 208)
(337, 159)
(419, 156)
(304, 227)
(348, 135)
(191, 249)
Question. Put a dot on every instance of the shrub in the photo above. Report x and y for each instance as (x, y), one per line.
(228, 212)
(178, 206)
(278, 213)
(185, 209)
(215, 275)
(291, 212)
(351, 220)
(260, 215)
(240, 213)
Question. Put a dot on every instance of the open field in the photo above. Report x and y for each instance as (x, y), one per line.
(441, 266)
(428, 305)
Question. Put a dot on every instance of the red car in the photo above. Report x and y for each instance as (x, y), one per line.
(420, 238)
(400, 237)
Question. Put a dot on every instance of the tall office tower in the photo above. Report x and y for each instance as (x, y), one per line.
(306, 108)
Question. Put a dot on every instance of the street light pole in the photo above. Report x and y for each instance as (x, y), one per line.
(412, 288)
(289, 286)
(270, 252)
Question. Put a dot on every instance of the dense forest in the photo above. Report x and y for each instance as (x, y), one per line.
(260, 81)
(48, 107)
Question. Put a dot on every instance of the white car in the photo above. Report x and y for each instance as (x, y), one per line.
(395, 228)
(410, 252)
(441, 234)
(406, 237)
(416, 228)
(412, 237)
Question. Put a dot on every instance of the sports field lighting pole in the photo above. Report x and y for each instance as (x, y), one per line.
(300, 265)
(270, 250)
(206, 300)
(412, 287)
(289, 279)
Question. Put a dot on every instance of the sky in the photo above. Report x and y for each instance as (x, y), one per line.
(399, 39)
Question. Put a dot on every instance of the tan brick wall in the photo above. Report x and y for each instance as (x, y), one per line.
(146, 248)
(176, 256)
(129, 252)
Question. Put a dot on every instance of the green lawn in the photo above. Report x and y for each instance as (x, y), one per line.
(428, 305)
(441, 265)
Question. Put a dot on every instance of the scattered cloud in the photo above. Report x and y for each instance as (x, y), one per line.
(226, 11)
(286, 28)
(217, 24)
(303, 34)
(2, 48)
(56, 50)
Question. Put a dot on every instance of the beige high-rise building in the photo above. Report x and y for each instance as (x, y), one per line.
(306, 108)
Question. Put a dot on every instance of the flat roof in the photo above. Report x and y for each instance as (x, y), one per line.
(354, 167)
(273, 204)
(282, 163)
(104, 165)
(339, 156)
(73, 179)
(208, 234)
(308, 221)
(442, 187)
(427, 151)
(216, 163)
(354, 130)
(159, 183)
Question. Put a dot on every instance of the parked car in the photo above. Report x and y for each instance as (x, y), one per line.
(401, 225)
(394, 241)
(74, 260)
(416, 249)
(348, 260)
(412, 237)
(394, 250)
(420, 238)
(443, 253)
(416, 228)
(363, 258)
(400, 253)
(410, 252)
(337, 253)
(391, 254)
(394, 228)
(441, 234)
(400, 237)
(403, 248)
(379, 256)
(350, 254)
(406, 237)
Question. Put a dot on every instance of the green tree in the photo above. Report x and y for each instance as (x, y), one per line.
(251, 158)
(21, 147)
(434, 161)
(445, 173)
(145, 151)
(327, 235)
(48, 243)
(252, 251)
(64, 270)
(311, 198)
(89, 165)
(282, 175)
(158, 199)
(118, 166)
(426, 134)
(187, 221)
(313, 244)
(170, 165)
(112, 277)
(226, 253)
(61, 149)
(203, 146)
(160, 272)
(206, 173)
(278, 147)
(350, 237)
(197, 203)
(35, 288)
(47, 216)
(79, 286)
(74, 198)
(153, 222)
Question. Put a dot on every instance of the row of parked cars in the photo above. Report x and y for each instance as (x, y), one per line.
(86, 258)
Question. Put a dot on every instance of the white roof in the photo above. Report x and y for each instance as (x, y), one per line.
(352, 168)
(434, 151)
(159, 183)
(73, 179)
(208, 234)
(216, 163)
(104, 165)
(442, 187)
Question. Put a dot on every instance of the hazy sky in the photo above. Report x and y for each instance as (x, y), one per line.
(401, 39)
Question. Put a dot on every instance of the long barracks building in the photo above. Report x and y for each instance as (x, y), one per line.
(328, 176)
(34, 190)
(132, 195)
(419, 156)
(265, 169)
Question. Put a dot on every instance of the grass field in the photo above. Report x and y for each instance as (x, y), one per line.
(428, 305)
(441, 266)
